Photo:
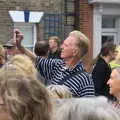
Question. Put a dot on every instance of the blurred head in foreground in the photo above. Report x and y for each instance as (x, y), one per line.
(24, 98)
(86, 109)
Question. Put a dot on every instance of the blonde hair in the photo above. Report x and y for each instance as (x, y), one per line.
(25, 99)
(24, 63)
(117, 58)
(83, 41)
(2, 52)
(59, 91)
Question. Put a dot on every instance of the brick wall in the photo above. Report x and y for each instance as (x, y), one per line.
(33, 5)
(86, 26)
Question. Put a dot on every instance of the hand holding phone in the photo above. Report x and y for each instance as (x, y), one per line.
(18, 37)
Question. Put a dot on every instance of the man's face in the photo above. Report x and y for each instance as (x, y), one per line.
(68, 47)
(52, 44)
(114, 83)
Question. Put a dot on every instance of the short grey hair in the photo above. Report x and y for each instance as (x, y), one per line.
(87, 109)
(83, 41)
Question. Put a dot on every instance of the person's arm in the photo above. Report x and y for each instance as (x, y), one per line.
(45, 66)
(27, 52)
(19, 38)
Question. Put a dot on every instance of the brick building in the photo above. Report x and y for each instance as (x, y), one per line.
(98, 19)
(7, 24)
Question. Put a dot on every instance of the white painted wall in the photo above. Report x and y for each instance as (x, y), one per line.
(97, 20)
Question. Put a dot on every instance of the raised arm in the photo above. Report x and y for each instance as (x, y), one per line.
(18, 36)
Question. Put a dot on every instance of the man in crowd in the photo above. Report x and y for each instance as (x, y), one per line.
(69, 71)
(54, 47)
(11, 49)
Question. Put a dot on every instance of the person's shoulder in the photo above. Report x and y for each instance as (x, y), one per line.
(100, 64)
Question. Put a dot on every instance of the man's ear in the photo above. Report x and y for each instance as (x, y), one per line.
(76, 52)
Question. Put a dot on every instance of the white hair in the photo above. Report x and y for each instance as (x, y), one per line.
(87, 109)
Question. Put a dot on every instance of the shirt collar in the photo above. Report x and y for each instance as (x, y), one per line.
(78, 66)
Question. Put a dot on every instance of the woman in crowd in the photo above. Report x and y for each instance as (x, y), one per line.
(24, 98)
(102, 70)
(114, 84)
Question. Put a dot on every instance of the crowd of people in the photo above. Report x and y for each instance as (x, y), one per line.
(51, 82)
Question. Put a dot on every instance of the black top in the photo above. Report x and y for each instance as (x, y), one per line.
(101, 74)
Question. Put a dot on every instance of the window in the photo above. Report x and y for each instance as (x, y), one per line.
(109, 29)
(108, 22)
(52, 25)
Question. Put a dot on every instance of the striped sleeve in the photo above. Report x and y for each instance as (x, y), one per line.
(45, 66)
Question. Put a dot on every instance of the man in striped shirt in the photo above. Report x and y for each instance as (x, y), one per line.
(69, 71)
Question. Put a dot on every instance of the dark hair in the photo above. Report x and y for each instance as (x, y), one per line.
(106, 48)
(41, 48)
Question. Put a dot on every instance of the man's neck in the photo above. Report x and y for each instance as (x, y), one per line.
(71, 62)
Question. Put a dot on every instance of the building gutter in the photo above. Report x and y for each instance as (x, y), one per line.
(104, 1)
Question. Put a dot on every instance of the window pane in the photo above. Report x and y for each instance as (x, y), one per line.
(52, 25)
(108, 22)
(106, 38)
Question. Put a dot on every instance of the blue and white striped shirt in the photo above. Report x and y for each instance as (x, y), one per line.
(77, 80)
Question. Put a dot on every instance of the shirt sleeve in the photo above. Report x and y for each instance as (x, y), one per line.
(45, 66)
